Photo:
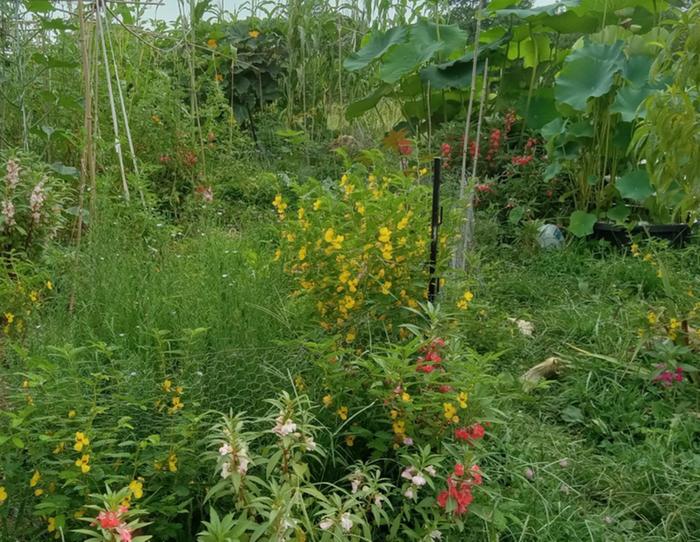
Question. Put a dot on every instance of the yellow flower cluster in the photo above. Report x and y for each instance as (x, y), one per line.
(464, 301)
(359, 253)
(176, 403)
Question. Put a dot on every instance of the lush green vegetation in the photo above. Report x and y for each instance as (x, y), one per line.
(220, 327)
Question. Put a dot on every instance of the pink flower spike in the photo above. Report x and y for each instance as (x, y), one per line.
(124, 533)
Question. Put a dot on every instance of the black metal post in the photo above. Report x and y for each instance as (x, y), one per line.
(434, 284)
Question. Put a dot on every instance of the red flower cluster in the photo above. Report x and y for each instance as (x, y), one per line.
(522, 160)
(109, 519)
(470, 434)
(458, 495)
(494, 144)
(405, 147)
(531, 142)
(431, 358)
(666, 377)
(483, 188)
(473, 150)
(445, 150)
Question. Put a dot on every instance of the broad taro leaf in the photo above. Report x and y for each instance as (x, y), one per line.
(500, 4)
(611, 6)
(635, 185)
(628, 101)
(581, 223)
(569, 23)
(619, 213)
(378, 44)
(458, 73)
(405, 58)
(533, 50)
(637, 68)
(450, 36)
(362, 105)
(588, 72)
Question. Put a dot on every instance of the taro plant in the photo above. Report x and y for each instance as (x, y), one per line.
(668, 138)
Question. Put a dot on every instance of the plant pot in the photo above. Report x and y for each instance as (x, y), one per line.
(676, 234)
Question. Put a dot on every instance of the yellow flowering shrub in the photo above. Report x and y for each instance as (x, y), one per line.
(359, 249)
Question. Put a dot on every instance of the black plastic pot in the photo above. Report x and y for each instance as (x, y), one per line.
(676, 234)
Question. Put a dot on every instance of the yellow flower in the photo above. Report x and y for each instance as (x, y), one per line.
(83, 463)
(463, 302)
(52, 525)
(177, 405)
(360, 208)
(343, 413)
(71, 413)
(404, 221)
(3, 494)
(387, 251)
(38, 492)
(218, 78)
(450, 410)
(167, 385)
(34, 296)
(35, 479)
(344, 276)
(81, 440)
(386, 288)
(254, 34)
(394, 414)
(300, 213)
(59, 448)
(648, 257)
(327, 400)
(423, 171)
(317, 205)
(674, 323)
(348, 302)
(302, 253)
(405, 397)
(635, 250)
(384, 235)
(9, 317)
(172, 462)
(290, 236)
(136, 488)
(399, 427)
(351, 336)
(299, 383)
(462, 398)
(350, 440)
(652, 318)
(212, 44)
(278, 254)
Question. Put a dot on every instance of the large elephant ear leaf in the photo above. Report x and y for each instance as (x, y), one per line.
(404, 59)
(581, 223)
(450, 36)
(358, 107)
(378, 44)
(635, 185)
(588, 72)
(628, 102)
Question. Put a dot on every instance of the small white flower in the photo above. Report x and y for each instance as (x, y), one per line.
(225, 472)
(408, 473)
(524, 327)
(409, 493)
(430, 470)
(326, 524)
(435, 535)
(346, 522)
(355, 485)
(378, 498)
(284, 429)
(418, 480)
(225, 449)
(310, 443)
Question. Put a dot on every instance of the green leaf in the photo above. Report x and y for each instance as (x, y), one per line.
(450, 36)
(551, 171)
(589, 72)
(581, 223)
(635, 185)
(628, 102)
(56, 24)
(404, 59)
(532, 50)
(619, 213)
(378, 44)
(637, 68)
(38, 6)
(362, 105)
